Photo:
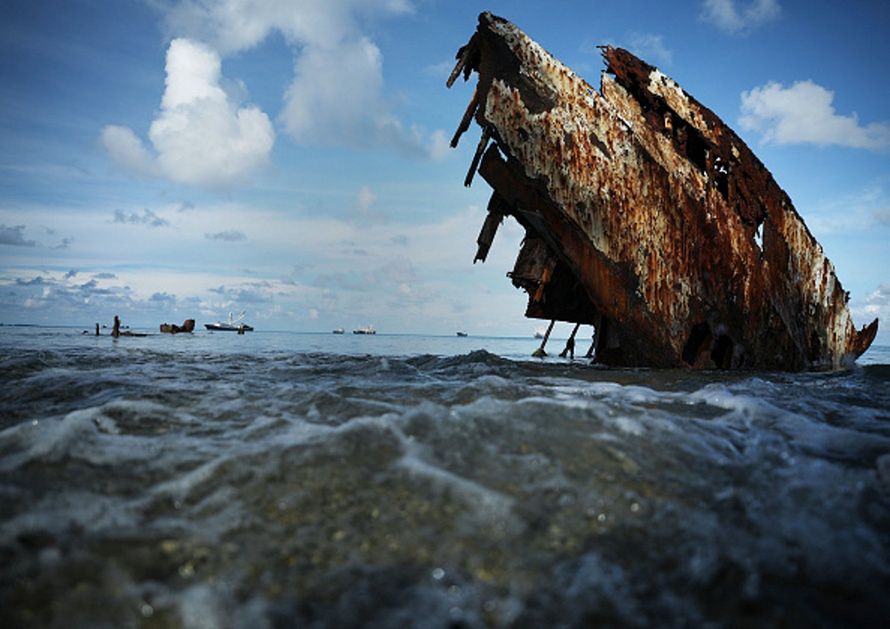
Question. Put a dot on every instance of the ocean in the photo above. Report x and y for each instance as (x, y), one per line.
(313, 480)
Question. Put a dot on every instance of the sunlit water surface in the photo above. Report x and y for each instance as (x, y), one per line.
(279, 479)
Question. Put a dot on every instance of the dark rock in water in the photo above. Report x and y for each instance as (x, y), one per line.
(646, 216)
(171, 328)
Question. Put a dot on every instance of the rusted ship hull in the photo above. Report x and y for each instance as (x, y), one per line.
(646, 216)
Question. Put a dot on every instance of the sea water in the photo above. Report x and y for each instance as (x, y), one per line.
(281, 479)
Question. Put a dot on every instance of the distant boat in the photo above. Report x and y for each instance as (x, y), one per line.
(368, 329)
(339, 331)
(222, 326)
(232, 324)
(539, 335)
(461, 333)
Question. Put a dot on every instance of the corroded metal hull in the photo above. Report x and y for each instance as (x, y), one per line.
(646, 216)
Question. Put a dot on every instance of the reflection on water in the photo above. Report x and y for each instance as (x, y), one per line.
(281, 480)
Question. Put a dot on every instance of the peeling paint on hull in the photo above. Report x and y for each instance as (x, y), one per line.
(646, 216)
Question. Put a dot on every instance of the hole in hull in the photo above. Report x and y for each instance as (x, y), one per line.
(721, 352)
(699, 339)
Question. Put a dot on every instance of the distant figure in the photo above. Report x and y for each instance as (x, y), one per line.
(241, 329)
(116, 330)
(570, 344)
(97, 329)
(570, 348)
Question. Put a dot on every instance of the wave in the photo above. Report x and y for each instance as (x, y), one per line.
(314, 488)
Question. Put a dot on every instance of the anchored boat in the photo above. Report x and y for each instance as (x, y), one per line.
(231, 324)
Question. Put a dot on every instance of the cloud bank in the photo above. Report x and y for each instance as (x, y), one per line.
(200, 136)
(728, 16)
(804, 113)
(349, 272)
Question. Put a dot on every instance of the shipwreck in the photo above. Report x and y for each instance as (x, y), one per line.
(646, 216)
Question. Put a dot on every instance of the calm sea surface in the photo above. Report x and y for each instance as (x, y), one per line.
(280, 479)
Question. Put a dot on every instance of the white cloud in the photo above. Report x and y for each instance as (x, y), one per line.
(650, 47)
(726, 15)
(235, 25)
(201, 137)
(336, 98)
(439, 144)
(366, 198)
(365, 213)
(804, 113)
(127, 151)
(440, 70)
(337, 95)
(876, 304)
(861, 211)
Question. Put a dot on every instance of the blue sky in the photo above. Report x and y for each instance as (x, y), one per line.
(169, 159)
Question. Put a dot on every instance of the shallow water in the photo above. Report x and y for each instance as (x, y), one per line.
(277, 479)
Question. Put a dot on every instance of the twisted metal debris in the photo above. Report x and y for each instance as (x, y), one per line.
(646, 216)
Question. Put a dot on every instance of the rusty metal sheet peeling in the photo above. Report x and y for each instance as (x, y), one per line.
(646, 216)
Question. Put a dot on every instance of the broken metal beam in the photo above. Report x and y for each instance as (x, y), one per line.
(647, 210)
(480, 149)
(496, 212)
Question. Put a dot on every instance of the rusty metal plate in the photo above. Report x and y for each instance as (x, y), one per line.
(647, 216)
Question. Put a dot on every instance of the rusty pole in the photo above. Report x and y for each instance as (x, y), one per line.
(540, 353)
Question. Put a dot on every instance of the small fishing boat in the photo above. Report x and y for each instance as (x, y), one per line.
(368, 329)
(232, 324)
(339, 331)
(461, 333)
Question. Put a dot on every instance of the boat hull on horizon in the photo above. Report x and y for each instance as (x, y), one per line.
(226, 327)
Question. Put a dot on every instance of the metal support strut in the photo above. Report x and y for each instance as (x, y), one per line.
(540, 353)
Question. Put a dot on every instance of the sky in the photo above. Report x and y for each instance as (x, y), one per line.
(166, 159)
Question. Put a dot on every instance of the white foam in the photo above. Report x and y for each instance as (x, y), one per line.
(182, 485)
(201, 607)
(413, 459)
(47, 439)
(629, 426)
